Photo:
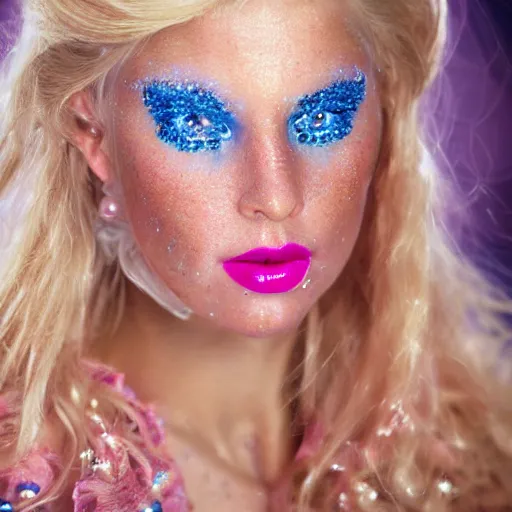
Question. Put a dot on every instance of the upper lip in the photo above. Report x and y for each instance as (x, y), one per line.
(289, 252)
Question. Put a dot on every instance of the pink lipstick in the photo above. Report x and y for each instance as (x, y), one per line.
(270, 270)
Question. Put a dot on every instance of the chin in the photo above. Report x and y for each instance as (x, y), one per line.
(264, 322)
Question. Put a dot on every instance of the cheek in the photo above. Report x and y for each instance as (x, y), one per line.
(164, 209)
(177, 216)
(340, 211)
(337, 189)
(339, 184)
(152, 181)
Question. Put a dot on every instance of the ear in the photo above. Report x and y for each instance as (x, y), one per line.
(87, 135)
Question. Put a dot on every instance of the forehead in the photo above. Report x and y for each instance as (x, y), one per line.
(259, 49)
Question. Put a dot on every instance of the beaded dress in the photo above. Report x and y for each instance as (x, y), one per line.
(115, 475)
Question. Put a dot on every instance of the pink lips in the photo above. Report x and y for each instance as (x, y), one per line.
(269, 270)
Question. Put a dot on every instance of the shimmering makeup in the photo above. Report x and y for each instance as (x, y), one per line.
(327, 116)
(187, 116)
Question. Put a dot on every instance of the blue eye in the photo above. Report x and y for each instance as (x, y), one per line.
(188, 117)
(327, 116)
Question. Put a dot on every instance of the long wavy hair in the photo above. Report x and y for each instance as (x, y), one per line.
(399, 355)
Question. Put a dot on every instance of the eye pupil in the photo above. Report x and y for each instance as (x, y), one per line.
(318, 119)
(191, 120)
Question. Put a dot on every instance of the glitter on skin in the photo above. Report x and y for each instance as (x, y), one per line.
(327, 116)
(188, 116)
(259, 168)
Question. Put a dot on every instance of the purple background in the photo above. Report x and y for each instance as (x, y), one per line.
(474, 120)
(471, 111)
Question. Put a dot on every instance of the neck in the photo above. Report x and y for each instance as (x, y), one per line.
(226, 391)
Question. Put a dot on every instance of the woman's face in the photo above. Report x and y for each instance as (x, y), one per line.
(251, 127)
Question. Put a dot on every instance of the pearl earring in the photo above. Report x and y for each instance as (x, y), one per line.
(109, 208)
(94, 131)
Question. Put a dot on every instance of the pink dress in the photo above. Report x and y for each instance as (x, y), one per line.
(115, 475)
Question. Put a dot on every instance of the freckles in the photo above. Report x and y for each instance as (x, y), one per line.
(149, 211)
(334, 176)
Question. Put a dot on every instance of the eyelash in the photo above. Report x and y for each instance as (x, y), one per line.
(188, 117)
(327, 116)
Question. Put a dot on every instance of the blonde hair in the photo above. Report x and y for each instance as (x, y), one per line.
(417, 319)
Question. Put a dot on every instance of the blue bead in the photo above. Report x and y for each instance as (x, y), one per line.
(28, 486)
(156, 506)
(5, 506)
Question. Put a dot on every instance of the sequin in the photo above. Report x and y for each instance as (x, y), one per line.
(87, 456)
(327, 116)
(188, 116)
(28, 490)
(365, 491)
(156, 506)
(101, 465)
(109, 439)
(160, 478)
(400, 420)
(410, 491)
(306, 284)
(343, 502)
(446, 487)
(5, 506)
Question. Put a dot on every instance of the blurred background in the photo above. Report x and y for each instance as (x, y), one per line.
(470, 113)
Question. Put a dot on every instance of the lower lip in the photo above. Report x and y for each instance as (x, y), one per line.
(271, 278)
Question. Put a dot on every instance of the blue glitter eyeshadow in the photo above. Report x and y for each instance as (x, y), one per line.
(327, 116)
(187, 116)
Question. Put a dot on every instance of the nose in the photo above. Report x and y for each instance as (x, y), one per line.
(272, 184)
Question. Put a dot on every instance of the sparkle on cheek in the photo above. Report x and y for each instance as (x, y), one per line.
(187, 116)
(327, 116)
